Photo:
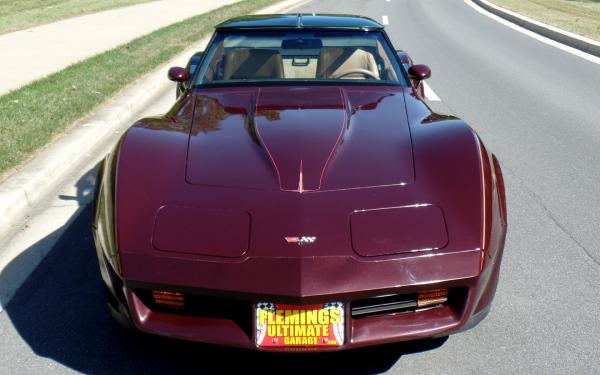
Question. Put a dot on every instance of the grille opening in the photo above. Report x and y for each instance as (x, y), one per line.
(202, 306)
(399, 303)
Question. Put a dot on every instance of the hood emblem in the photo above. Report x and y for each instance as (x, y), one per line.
(301, 241)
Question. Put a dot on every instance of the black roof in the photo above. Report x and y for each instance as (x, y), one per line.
(300, 21)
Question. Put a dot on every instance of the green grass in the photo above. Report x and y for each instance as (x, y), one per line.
(32, 116)
(578, 16)
(23, 14)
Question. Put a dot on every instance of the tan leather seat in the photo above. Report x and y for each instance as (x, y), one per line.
(334, 61)
(249, 63)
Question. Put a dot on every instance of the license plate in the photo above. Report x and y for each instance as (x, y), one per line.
(280, 325)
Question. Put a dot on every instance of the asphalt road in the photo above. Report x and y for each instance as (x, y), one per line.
(535, 106)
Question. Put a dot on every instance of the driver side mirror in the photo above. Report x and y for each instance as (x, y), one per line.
(419, 72)
(178, 74)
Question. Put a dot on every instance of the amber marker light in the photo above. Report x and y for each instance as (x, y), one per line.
(168, 299)
(432, 297)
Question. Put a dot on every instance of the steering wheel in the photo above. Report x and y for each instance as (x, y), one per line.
(364, 72)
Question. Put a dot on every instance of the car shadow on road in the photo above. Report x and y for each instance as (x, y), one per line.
(60, 313)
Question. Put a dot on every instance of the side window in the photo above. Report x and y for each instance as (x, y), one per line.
(388, 68)
(192, 66)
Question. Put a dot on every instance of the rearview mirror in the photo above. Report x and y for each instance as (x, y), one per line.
(419, 72)
(178, 74)
(300, 43)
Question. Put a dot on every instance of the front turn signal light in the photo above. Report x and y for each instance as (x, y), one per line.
(432, 297)
(168, 299)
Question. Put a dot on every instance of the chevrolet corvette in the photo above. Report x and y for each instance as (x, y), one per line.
(300, 195)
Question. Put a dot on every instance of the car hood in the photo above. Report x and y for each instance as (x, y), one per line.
(300, 139)
(238, 175)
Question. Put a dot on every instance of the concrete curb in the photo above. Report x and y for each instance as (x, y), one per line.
(561, 36)
(38, 178)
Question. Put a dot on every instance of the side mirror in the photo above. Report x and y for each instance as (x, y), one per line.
(419, 72)
(178, 74)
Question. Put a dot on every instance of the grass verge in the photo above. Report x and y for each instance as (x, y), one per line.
(32, 116)
(23, 14)
(578, 16)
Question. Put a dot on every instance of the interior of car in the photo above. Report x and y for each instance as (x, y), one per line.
(304, 57)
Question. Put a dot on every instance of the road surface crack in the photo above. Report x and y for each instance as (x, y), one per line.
(551, 216)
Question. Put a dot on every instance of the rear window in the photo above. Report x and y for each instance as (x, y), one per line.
(300, 56)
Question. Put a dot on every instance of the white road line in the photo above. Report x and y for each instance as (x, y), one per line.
(544, 25)
(429, 93)
(543, 39)
(385, 20)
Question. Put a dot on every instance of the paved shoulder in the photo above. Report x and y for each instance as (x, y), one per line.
(31, 54)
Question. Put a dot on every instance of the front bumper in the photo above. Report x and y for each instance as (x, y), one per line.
(468, 307)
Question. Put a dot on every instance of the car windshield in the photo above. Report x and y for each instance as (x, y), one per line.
(281, 56)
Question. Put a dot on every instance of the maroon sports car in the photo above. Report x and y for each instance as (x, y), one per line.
(300, 195)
